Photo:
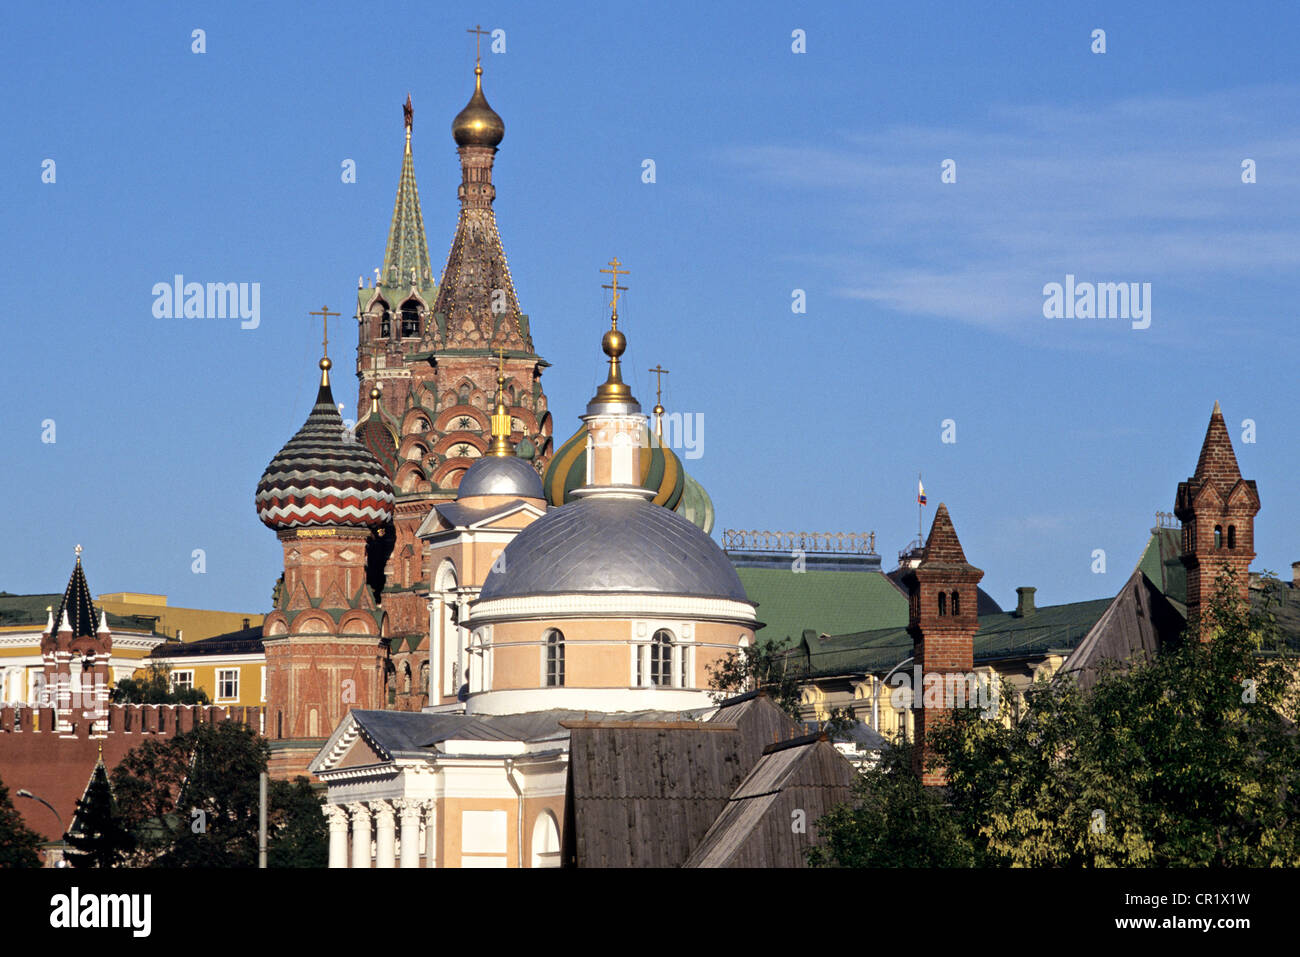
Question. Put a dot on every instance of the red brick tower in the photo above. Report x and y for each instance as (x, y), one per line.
(330, 502)
(432, 351)
(75, 651)
(942, 621)
(1217, 508)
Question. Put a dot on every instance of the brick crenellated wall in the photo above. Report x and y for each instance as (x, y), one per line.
(56, 766)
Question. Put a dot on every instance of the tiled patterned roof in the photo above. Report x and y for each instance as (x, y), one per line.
(323, 476)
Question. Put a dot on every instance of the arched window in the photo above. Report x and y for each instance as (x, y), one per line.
(956, 602)
(661, 659)
(424, 677)
(554, 658)
(385, 323)
(1218, 536)
(1232, 536)
(462, 397)
(546, 841)
(943, 604)
(406, 678)
(410, 319)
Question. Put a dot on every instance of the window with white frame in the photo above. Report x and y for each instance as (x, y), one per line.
(182, 680)
(661, 659)
(554, 658)
(227, 684)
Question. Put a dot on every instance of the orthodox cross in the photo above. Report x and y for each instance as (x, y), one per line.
(615, 272)
(325, 318)
(659, 384)
(479, 33)
(78, 551)
(408, 112)
(501, 370)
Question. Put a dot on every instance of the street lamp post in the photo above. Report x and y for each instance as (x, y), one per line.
(24, 793)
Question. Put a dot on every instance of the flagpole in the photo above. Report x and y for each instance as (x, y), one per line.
(920, 521)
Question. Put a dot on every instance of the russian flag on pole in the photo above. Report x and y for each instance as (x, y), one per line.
(920, 493)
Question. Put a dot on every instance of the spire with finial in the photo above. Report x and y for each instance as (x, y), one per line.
(614, 390)
(407, 250)
(659, 372)
(476, 297)
(501, 422)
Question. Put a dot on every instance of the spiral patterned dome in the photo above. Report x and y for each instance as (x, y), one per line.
(323, 476)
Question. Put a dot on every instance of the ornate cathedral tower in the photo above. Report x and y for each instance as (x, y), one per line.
(330, 502)
(432, 352)
(1217, 508)
(942, 620)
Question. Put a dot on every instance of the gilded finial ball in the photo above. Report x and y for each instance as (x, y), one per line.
(374, 392)
(325, 364)
(614, 343)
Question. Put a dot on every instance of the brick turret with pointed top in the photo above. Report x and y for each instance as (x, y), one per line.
(1217, 508)
(942, 620)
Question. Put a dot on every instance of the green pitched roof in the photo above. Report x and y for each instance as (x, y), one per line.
(826, 602)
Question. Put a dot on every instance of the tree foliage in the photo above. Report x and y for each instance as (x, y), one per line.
(893, 821)
(1189, 759)
(155, 687)
(19, 844)
(192, 801)
(765, 666)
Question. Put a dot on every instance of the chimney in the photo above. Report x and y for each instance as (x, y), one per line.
(1025, 601)
(245, 624)
(1295, 574)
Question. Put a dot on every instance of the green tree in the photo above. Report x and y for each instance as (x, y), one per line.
(19, 845)
(98, 837)
(765, 666)
(892, 821)
(192, 801)
(1188, 759)
(155, 687)
(298, 834)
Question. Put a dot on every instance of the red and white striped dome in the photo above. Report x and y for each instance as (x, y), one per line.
(323, 476)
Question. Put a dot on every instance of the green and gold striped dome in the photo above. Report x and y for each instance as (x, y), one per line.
(661, 471)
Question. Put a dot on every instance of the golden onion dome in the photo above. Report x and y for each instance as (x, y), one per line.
(478, 124)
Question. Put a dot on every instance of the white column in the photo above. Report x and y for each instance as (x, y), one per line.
(360, 835)
(409, 809)
(430, 809)
(385, 834)
(338, 821)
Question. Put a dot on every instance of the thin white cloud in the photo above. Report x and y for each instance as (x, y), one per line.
(1140, 190)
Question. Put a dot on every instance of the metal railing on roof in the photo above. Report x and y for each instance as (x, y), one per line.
(853, 543)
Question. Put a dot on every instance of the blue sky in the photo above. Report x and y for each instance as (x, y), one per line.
(775, 171)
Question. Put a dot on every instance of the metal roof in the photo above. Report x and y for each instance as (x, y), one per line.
(622, 545)
(501, 475)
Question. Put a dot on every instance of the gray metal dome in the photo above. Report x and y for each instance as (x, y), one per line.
(624, 545)
(501, 475)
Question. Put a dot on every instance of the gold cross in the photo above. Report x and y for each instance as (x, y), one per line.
(501, 366)
(480, 33)
(325, 317)
(615, 272)
(659, 384)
